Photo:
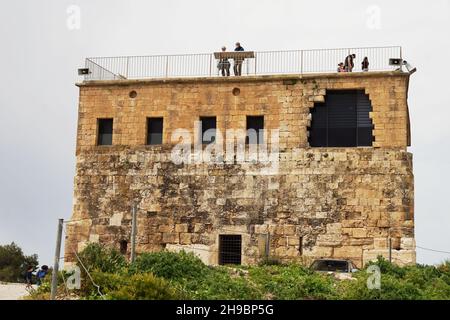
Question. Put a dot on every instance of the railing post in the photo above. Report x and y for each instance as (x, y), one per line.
(126, 71)
(256, 61)
(167, 66)
(301, 62)
(210, 64)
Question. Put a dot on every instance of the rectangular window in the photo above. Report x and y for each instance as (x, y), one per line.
(230, 247)
(255, 130)
(154, 131)
(105, 132)
(208, 130)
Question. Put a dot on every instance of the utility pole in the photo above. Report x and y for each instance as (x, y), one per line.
(56, 262)
(133, 233)
(390, 249)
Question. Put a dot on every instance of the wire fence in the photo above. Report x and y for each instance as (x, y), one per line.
(261, 63)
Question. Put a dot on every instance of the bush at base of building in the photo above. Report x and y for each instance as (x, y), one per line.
(168, 275)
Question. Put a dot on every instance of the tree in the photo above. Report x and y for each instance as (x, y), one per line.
(14, 264)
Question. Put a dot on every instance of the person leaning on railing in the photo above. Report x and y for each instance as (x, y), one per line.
(349, 62)
(238, 61)
(224, 65)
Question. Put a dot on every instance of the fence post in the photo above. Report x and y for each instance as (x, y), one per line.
(133, 232)
(55, 270)
(126, 72)
(167, 66)
(210, 64)
(301, 62)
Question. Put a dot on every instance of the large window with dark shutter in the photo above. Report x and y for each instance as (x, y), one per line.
(104, 132)
(154, 131)
(342, 121)
(230, 247)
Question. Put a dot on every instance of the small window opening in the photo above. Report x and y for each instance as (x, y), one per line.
(105, 132)
(154, 131)
(255, 130)
(208, 129)
(123, 247)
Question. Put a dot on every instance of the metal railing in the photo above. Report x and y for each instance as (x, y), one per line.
(264, 63)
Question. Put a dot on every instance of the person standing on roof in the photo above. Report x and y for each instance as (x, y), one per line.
(349, 63)
(365, 64)
(238, 61)
(224, 65)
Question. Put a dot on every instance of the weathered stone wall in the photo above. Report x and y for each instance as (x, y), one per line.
(322, 202)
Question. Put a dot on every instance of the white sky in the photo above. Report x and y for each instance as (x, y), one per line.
(38, 100)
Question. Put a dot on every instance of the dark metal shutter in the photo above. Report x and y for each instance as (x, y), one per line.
(365, 126)
(342, 119)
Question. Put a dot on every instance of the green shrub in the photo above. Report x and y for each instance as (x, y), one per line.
(98, 257)
(135, 287)
(417, 282)
(223, 284)
(170, 265)
(14, 264)
(293, 282)
(270, 261)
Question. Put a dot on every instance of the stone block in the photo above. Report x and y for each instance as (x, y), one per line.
(181, 227)
(170, 237)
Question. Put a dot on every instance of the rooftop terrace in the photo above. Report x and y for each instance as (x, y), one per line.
(255, 63)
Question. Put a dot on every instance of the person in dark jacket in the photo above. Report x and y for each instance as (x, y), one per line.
(238, 61)
(224, 65)
(349, 62)
(29, 277)
(365, 64)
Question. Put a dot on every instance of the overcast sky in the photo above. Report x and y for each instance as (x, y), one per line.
(42, 45)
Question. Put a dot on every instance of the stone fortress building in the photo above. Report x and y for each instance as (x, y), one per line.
(338, 184)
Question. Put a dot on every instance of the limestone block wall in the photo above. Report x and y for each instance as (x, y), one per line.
(341, 203)
(321, 202)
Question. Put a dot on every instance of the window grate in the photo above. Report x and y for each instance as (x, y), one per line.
(230, 247)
